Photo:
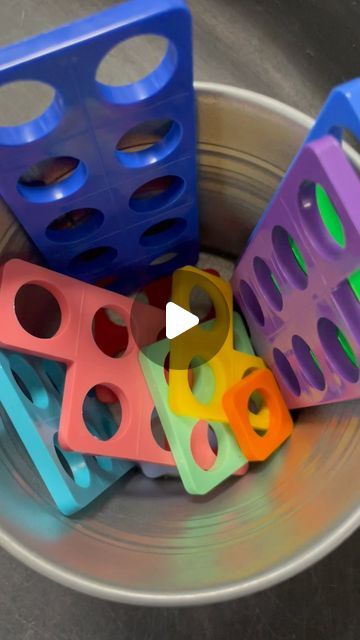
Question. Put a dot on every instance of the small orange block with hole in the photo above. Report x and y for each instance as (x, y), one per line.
(209, 346)
(258, 447)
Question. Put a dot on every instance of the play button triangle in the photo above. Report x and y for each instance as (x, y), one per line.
(178, 320)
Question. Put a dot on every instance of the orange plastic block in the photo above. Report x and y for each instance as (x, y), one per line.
(88, 366)
(236, 400)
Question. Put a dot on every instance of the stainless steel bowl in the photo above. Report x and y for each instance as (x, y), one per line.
(147, 542)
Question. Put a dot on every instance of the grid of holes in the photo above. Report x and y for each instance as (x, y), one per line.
(101, 421)
(145, 144)
(328, 236)
(46, 324)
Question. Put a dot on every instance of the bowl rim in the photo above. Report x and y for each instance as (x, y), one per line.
(299, 562)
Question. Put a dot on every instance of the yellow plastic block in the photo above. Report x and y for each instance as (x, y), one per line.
(208, 351)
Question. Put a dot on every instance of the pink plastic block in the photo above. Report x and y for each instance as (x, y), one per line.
(88, 366)
(295, 281)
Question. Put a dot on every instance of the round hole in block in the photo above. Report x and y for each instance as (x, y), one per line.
(29, 110)
(52, 179)
(92, 260)
(287, 372)
(268, 283)
(136, 68)
(157, 194)
(308, 363)
(163, 232)
(28, 381)
(74, 465)
(38, 311)
(256, 401)
(201, 305)
(166, 369)
(338, 350)
(102, 421)
(251, 302)
(119, 330)
(201, 380)
(75, 225)
(321, 220)
(163, 259)
(290, 258)
(55, 372)
(204, 445)
(157, 430)
(148, 142)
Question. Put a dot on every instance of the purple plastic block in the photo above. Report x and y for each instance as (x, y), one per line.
(303, 315)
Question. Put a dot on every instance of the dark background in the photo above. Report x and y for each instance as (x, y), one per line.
(293, 50)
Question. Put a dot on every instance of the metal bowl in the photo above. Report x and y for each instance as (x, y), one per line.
(147, 542)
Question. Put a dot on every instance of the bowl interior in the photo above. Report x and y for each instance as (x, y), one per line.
(148, 541)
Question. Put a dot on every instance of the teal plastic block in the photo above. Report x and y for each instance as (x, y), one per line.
(30, 394)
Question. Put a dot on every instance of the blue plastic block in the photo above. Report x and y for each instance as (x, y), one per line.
(121, 225)
(30, 394)
(340, 112)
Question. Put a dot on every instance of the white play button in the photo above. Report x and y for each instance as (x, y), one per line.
(178, 320)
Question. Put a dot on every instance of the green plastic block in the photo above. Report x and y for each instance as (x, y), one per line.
(188, 437)
(241, 339)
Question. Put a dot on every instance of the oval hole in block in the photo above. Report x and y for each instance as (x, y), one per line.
(111, 336)
(338, 350)
(52, 179)
(92, 260)
(201, 380)
(268, 283)
(347, 298)
(256, 404)
(75, 225)
(28, 381)
(136, 69)
(38, 311)
(163, 232)
(148, 142)
(157, 194)
(158, 431)
(102, 421)
(29, 110)
(204, 445)
(286, 371)
(201, 305)
(308, 363)
(163, 259)
(74, 465)
(290, 258)
(321, 221)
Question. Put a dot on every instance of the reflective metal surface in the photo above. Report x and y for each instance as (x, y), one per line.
(147, 542)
